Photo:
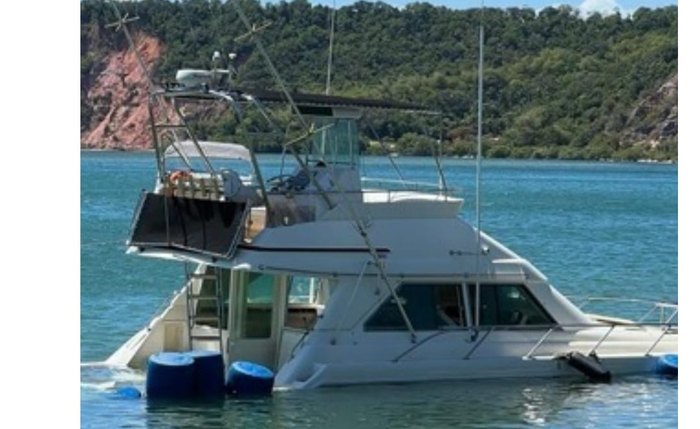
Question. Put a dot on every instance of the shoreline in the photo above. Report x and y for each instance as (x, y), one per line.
(463, 158)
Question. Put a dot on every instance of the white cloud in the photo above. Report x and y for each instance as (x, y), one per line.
(604, 7)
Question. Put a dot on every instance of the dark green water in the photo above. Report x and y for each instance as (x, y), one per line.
(593, 228)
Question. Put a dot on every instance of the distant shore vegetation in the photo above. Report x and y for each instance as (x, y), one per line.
(557, 85)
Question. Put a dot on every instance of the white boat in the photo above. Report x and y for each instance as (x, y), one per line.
(329, 278)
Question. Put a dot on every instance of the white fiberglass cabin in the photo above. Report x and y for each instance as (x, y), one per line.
(331, 279)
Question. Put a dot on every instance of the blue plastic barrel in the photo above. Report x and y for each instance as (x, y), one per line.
(208, 373)
(170, 375)
(127, 392)
(248, 378)
(667, 364)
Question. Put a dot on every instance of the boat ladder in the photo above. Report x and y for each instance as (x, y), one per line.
(197, 319)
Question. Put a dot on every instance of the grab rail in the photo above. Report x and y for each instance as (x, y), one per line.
(578, 327)
(666, 328)
(656, 306)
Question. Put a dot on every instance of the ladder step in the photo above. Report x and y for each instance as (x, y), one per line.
(204, 297)
(215, 322)
(203, 276)
(205, 337)
(212, 336)
(205, 318)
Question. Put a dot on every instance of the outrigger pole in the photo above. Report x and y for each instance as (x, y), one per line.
(120, 24)
(280, 83)
(330, 52)
(359, 226)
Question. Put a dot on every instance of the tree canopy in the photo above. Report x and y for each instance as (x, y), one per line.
(556, 84)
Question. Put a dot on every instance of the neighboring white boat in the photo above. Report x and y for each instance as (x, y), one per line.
(332, 279)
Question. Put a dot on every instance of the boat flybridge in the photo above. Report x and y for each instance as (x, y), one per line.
(331, 279)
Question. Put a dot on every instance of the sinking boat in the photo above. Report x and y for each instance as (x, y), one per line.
(331, 278)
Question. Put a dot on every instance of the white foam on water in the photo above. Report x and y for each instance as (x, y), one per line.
(102, 377)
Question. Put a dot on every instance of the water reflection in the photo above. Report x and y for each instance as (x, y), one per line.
(644, 401)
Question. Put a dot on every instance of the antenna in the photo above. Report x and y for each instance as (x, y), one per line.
(477, 295)
(330, 52)
(120, 24)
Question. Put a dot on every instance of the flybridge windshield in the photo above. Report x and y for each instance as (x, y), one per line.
(337, 144)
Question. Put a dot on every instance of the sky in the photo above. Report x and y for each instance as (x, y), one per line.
(602, 6)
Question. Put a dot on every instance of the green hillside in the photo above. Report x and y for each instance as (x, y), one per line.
(556, 85)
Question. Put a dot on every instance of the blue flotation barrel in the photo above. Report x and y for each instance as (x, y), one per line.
(170, 375)
(667, 364)
(128, 392)
(248, 378)
(208, 373)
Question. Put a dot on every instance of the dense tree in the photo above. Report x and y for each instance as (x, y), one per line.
(553, 79)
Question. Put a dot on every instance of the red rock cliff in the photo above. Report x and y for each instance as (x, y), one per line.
(117, 96)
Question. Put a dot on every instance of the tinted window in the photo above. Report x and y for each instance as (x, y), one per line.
(337, 144)
(428, 306)
(257, 319)
(508, 305)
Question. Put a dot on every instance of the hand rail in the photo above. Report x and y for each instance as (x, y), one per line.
(605, 337)
(298, 344)
(539, 343)
(419, 343)
(550, 329)
(663, 334)
(589, 299)
(671, 317)
(478, 343)
(656, 306)
(666, 328)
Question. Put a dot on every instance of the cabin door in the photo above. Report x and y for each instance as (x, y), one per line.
(256, 316)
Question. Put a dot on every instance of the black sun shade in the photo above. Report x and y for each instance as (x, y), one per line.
(202, 226)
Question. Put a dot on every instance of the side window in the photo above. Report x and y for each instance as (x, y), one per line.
(301, 290)
(428, 306)
(302, 302)
(257, 311)
(508, 305)
(488, 311)
(518, 307)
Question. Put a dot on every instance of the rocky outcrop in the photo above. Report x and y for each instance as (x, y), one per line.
(116, 98)
(654, 120)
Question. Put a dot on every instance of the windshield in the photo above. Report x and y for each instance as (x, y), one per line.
(337, 144)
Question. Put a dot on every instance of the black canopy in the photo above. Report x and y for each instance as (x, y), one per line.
(300, 98)
(321, 100)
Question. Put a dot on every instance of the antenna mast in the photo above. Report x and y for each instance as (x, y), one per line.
(330, 52)
(478, 167)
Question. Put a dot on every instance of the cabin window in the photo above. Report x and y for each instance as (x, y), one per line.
(337, 144)
(428, 306)
(302, 289)
(508, 305)
(206, 308)
(303, 295)
(257, 310)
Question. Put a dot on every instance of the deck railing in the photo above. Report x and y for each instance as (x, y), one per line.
(372, 185)
(478, 335)
(663, 312)
(664, 330)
